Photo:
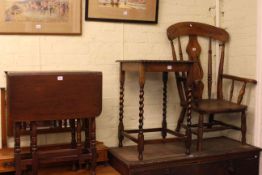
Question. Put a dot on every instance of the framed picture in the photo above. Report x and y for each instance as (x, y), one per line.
(41, 17)
(142, 11)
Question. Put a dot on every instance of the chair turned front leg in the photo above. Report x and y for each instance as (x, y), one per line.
(243, 127)
(210, 121)
(200, 132)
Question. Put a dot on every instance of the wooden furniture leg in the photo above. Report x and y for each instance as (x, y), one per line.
(210, 121)
(73, 133)
(164, 123)
(73, 138)
(200, 132)
(140, 146)
(78, 139)
(18, 169)
(243, 127)
(189, 113)
(121, 109)
(3, 117)
(33, 139)
(92, 136)
(87, 138)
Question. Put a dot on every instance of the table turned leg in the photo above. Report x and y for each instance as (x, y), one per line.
(140, 146)
(73, 138)
(121, 109)
(87, 138)
(78, 139)
(73, 133)
(164, 123)
(18, 168)
(92, 136)
(33, 135)
(189, 113)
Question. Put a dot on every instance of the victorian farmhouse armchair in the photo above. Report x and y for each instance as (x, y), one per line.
(210, 106)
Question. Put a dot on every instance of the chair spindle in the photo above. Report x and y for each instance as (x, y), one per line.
(232, 90)
(241, 93)
(220, 72)
(209, 78)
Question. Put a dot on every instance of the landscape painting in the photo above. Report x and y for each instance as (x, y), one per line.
(122, 10)
(44, 16)
(37, 10)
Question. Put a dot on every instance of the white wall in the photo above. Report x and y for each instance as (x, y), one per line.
(258, 121)
(97, 49)
(239, 20)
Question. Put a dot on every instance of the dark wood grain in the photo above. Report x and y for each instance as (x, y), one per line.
(44, 96)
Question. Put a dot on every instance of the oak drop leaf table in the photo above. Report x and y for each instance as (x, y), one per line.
(160, 66)
(47, 96)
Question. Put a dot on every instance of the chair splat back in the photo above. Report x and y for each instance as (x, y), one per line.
(194, 30)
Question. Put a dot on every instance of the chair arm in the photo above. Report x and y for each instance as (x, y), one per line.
(236, 78)
(242, 89)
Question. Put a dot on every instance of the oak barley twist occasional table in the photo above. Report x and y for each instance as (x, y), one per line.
(157, 66)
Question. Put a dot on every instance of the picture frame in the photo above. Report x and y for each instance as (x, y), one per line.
(47, 17)
(134, 11)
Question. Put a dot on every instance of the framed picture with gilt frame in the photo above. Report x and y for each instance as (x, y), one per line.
(61, 17)
(138, 11)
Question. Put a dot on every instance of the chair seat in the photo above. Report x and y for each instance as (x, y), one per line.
(210, 106)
